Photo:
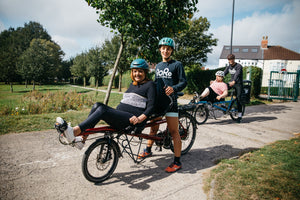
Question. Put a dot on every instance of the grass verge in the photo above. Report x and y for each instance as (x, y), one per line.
(272, 172)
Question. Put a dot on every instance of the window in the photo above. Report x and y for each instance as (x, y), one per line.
(227, 48)
(245, 50)
(235, 50)
(254, 50)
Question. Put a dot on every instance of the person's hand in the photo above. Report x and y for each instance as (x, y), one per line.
(134, 120)
(169, 90)
(219, 97)
(231, 83)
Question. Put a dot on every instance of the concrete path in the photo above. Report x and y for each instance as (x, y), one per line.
(35, 165)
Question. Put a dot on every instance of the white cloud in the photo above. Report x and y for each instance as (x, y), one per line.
(71, 23)
(282, 28)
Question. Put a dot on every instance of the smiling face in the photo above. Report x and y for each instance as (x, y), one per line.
(138, 75)
(166, 52)
(219, 78)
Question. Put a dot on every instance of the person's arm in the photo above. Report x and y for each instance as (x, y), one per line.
(181, 77)
(223, 95)
(239, 71)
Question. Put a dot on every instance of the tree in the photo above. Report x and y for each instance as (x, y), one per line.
(110, 52)
(79, 67)
(13, 42)
(96, 65)
(145, 21)
(40, 60)
(193, 44)
(8, 56)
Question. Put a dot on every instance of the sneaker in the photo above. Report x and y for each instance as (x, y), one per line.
(69, 134)
(239, 120)
(78, 142)
(145, 154)
(173, 167)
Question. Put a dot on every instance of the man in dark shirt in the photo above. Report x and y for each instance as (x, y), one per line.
(236, 81)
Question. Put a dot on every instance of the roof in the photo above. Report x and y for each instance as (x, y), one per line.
(280, 53)
(256, 53)
(243, 52)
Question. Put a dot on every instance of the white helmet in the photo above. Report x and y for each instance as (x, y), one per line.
(220, 73)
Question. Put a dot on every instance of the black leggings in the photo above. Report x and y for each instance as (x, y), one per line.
(116, 118)
(212, 97)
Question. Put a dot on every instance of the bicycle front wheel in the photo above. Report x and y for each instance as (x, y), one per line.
(201, 114)
(234, 111)
(187, 131)
(100, 160)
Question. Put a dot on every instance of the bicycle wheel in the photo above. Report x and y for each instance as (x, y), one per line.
(100, 160)
(187, 132)
(201, 114)
(234, 111)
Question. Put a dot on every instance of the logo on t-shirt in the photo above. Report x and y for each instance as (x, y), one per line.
(163, 73)
(232, 71)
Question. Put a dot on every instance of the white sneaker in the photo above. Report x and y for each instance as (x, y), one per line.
(78, 142)
(59, 120)
(69, 134)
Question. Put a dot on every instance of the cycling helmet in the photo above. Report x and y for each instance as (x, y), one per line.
(167, 42)
(220, 73)
(139, 63)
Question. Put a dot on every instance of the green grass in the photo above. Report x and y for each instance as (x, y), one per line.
(13, 123)
(272, 172)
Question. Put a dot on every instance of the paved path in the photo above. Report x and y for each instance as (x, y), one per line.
(36, 166)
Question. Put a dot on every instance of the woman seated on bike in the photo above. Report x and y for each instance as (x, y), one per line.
(137, 104)
(217, 90)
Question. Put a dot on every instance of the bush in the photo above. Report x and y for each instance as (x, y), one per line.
(36, 102)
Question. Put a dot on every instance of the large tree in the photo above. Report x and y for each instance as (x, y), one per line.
(40, 60)
(146, 21)
(79, 67)
(194, 43)
(96, 65)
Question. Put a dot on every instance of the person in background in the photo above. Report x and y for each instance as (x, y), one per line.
(236, 81)
(135, 107)
(217, 90)
(170, 78)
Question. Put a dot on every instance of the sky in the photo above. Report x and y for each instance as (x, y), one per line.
(73, 24)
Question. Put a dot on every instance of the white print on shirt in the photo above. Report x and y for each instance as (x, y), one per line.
(164, 73)
(134, 100)
(232, 71)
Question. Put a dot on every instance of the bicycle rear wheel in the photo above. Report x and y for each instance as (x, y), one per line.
(234, 111)
(187, 132)
(201, 114)
(100, 160)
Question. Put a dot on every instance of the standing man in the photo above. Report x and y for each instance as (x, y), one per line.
(236, 82)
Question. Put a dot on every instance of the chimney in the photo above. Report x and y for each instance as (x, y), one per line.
(264, 42)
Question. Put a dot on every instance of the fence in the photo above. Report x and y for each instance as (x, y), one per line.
(284, 85)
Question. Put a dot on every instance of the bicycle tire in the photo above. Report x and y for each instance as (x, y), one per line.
(187, 132)
(234, 111)
(100, 160)
(201, 114)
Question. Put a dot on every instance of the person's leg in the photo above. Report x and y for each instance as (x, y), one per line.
(173, 128)
(205, 93)
(238, 89)
(148, 151)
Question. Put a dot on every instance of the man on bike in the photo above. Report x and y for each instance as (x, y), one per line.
(236, 82)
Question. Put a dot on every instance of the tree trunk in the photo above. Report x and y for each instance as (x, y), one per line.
(114, 72)
(120, 82)
(26, 83)
(33, 82)
(97, 83)
(84, 81)
(11, 87)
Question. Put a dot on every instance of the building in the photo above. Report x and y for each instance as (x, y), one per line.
(269, 58)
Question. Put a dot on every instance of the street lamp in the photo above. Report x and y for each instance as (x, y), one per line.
(232, 26)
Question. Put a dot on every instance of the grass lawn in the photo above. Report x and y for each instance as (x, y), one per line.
(36, 122)
(272, 172)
